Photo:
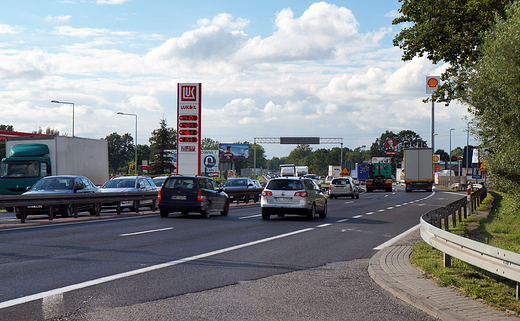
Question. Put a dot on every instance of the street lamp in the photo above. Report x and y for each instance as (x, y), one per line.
(64, 102)
(449, 168)
(121, 113)
(467, 152)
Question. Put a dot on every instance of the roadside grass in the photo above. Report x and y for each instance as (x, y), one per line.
(501, 229)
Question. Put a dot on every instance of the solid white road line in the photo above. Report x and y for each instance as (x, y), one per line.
(109, 278)
(252, 216)
(149, 231)
(397, 238)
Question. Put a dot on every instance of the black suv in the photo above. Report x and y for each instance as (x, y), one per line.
(192, 194)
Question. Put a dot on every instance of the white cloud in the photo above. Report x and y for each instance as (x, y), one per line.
(59, 19)
(6, 29)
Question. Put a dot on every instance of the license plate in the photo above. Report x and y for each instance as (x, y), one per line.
(284, 199)
(34, 206)
(179, 198)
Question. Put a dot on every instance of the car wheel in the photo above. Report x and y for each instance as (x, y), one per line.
(135, 206)
(207, 210)
(96, 210)
(225, 211)
(153, 206)
(312, 212)
(281, 215)
(323, 214)
(18, 216)
(184, 213)
(9, 209)
(353, 196)
(265, 215)
(164, 213)
(357, 195)
(67, 210)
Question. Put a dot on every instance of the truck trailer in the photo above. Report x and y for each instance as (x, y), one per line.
(32, 157)
(379, 177)
(418, 169)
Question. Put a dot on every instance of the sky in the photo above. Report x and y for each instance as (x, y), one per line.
(268, 69)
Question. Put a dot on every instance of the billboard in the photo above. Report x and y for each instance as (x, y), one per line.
(233, 151)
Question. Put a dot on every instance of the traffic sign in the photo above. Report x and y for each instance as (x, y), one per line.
(215, 174)
(210, 161)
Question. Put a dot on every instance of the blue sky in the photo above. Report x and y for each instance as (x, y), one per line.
(268, 69)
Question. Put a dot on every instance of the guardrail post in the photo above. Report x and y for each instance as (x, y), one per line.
(446, 258)
(454, 216)
(22, 214)
(75, 210)
(51, 213)
(459, 210)
(517, 290)
(464, 205)
(446, 220)
(118, 208)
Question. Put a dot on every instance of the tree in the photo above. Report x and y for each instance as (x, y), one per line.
(447, 31)
(493, 100)
(209, 144)
(120, 150)
(404, 139)
(48, 131)
(7, 127)
(161, 142)
(299, 155)
(442, 155)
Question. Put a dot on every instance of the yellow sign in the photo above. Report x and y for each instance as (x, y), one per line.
(436, 158)
(483, 166)
(345, 172)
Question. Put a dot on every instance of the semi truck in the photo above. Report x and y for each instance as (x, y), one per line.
(379, 177)
(418, 169)
(32, 157)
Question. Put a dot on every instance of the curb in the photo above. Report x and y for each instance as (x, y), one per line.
(376, 269)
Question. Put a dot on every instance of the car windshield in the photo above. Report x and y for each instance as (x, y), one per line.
(120, 183)
(284, 185)
(179, 183)
(341, 181)
(53, 184)
(235, 182)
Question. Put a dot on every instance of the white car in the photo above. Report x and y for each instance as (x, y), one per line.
(293, 195)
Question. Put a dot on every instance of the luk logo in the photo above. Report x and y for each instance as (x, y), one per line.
(189, 93)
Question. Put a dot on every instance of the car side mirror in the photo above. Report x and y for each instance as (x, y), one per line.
(78, 187)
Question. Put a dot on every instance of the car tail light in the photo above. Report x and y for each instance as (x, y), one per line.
(301, 194)
(350, 186)
(199, 196)
(159, 195)
(267, 193)
(330, 187)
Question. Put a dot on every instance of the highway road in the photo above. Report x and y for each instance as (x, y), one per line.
(69, 270)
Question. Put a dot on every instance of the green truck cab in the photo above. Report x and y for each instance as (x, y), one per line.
(26, 164)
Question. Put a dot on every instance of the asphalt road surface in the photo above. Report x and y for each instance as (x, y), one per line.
(238, 267)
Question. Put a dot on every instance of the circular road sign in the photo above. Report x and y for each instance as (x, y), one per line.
(210, 161)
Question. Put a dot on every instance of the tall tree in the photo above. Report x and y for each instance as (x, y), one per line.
(120, 151)
(162, 141)
(447, 31)
(493, 99)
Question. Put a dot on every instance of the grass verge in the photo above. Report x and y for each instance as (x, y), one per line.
(500, 229)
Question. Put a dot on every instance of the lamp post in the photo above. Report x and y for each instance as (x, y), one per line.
(121, 113)
(467, 152)
(449, 168)
(64, 102)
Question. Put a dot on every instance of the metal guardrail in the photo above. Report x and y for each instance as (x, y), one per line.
(498, 261)
(52, 200)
